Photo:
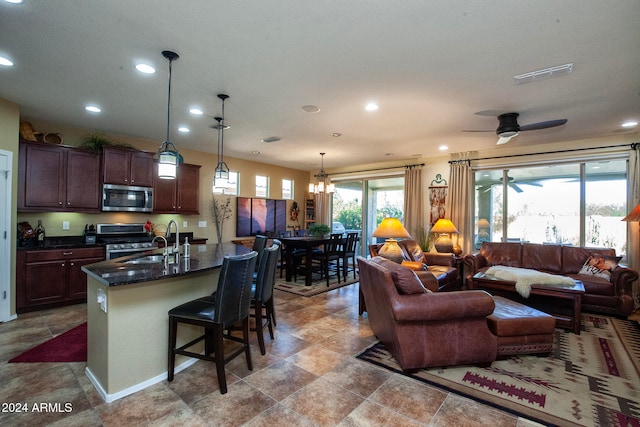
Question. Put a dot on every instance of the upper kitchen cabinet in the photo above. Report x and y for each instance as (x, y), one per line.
(180, 195)
(57, 178)
(127, 167)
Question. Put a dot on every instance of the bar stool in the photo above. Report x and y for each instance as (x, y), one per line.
(262, 294)
(217, 313)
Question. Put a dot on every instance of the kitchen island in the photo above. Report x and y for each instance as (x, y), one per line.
(127, 303)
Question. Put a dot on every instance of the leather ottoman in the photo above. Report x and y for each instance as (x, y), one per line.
(520, 329)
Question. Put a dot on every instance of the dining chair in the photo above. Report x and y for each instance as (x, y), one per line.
(329, 258)
(217, 313)
(348, 251)
(262, 293)
(300, 233)
(259, 243)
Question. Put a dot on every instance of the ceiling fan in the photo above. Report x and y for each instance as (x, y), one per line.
(508, 126)
(513, 184)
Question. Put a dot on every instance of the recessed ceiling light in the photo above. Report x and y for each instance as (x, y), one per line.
(196, 111)
(6, 62)
(93, 108)
(372, 106)
(183, 129)
(630, 124)
(145, 68)
(256, 152)
(336, 134)
(388, 154)
(443, 147)
(310, 108)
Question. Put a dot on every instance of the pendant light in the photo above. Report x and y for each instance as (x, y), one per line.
(168, 155)
(221, 173)
(322, 184)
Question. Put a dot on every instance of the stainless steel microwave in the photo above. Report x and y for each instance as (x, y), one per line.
(127, 198)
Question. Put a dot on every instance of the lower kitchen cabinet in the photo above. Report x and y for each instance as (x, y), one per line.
(48, 278)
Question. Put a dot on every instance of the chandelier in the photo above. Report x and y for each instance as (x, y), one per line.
(323, 183)
(221, 173)
(168, 155)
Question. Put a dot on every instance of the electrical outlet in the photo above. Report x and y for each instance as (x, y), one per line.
(202, 224)
(185, 224)
(102, 300)
(65, 225)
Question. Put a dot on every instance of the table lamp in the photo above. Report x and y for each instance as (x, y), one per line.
(634, 215)
(391, 229)
(444, 227)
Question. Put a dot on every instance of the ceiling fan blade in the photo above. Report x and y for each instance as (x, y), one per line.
(504, 139)
(515, 187)
(544, 125)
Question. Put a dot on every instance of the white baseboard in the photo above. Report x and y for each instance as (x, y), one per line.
(111, 397)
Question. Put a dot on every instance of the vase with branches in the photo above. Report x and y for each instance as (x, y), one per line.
(220, 212)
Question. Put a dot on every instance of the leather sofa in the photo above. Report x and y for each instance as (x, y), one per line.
(422, 328)
(605, 295)
(441, 265)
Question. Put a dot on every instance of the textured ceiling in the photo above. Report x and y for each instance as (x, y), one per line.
(430, 65)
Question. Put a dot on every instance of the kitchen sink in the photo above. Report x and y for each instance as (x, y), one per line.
(149, 259)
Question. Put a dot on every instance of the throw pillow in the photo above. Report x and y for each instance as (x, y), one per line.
(405, 279)
(600, 266)
(413, 265)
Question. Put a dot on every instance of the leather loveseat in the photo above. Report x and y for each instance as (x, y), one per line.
(422, 328)
(612, 295)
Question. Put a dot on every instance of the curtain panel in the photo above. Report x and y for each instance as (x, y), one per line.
(413, 200)
(459, 202)
(633, 236)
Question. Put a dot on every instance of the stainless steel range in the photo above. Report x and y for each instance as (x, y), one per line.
(124, 239)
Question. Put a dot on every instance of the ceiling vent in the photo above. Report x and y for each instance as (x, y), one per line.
(559, 70)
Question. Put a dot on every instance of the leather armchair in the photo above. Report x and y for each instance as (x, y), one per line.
(425, 329)
(442, 265)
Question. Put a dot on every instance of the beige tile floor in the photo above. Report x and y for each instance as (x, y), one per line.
(309, 377)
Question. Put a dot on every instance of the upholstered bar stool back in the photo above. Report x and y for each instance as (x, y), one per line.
(216, 313)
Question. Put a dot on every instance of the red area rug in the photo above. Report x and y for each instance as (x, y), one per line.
(70, 346)
(591, 379)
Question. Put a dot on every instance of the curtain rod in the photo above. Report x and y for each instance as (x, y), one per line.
(380, 169)
(634, 146)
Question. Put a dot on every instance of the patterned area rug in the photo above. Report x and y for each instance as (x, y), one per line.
(591, 379)
(317, 286)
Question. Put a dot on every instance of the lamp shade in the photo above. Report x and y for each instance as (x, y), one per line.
(634, 215)
(391, 227)
(444, 225)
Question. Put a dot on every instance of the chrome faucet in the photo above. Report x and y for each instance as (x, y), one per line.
(165, 250)
(176, 246)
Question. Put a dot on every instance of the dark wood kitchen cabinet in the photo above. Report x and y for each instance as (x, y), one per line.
(180, 195)
(49, 278)
(57, 178)
(127, 167)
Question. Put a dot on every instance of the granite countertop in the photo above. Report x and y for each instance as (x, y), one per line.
(126, 270)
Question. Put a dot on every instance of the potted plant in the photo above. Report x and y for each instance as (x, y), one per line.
(319, 229)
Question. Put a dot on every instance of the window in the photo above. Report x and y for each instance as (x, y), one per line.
(229, 187)
(578, 204)
(287, 189)
(262, 186)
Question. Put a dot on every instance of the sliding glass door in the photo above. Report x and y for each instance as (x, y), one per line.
(361, 204)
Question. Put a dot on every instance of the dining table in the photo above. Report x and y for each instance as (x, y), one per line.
(306, 243)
